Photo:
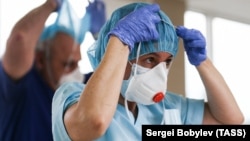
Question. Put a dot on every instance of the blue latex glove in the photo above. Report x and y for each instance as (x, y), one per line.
(194, 44)
(97, 11)
(138, 26)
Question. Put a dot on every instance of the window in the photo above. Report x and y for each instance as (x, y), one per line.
(228, 47)
(194, 89)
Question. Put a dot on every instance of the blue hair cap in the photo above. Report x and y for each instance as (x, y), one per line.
(69, 23)
(167, 42)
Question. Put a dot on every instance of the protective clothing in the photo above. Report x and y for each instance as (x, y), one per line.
(146, 88)
(68, 22)
(167, 42)
(194, 44)
(22, 104)
(121, 128)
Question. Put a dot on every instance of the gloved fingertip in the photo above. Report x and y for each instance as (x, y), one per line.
(156, 36)
(154, 7)
(157, 19)
(180, 30)
(180, 27)
(177, 29)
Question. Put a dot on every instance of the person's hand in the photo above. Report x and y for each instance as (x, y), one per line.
(194, 44)
(97, 13)
(138, 26)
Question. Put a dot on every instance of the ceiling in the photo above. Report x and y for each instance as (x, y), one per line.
(233, 9)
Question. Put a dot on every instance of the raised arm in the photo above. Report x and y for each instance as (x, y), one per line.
(20, 48)
(221, 107)
(96, 107)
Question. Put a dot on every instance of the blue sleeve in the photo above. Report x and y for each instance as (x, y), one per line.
(8, 88)
(192, 110)
(86, 77)
(64, 97)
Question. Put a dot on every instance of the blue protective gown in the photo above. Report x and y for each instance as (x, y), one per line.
(121, 127)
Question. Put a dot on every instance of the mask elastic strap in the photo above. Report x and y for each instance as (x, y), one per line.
(127, 110)
(134, 73)
(137, 58)
(163, 117)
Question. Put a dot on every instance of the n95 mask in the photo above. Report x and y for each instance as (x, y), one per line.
(146, 86)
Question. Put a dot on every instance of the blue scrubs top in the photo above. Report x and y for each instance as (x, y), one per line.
(121, 127)
(25, 108)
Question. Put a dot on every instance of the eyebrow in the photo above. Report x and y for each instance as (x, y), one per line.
(153, 53)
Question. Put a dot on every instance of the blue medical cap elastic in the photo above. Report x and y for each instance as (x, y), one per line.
(167, 42)
(67, 22)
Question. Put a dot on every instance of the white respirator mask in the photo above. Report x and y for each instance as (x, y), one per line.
(146, 86)
(74, 76)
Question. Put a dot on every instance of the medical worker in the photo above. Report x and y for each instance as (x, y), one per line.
(131, 59)
(36, 61)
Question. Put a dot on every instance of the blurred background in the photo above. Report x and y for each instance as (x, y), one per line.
(225, 24)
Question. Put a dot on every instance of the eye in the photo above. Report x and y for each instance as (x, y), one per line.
(149, 60)
(168, 62)
(69, 66)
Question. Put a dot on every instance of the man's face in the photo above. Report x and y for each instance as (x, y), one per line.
(149, 61)
(62, 58)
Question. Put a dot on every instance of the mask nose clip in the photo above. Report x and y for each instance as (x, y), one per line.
(158, 97)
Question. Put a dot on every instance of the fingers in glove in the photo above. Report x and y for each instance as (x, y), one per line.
(195, 44)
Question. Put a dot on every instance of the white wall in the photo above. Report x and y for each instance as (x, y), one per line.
(11, 11)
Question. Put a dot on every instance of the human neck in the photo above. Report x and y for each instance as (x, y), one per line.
(132, 106)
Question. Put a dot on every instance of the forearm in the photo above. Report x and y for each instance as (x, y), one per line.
(103, 89)
(221, 102)
(96, 107)
(19, 54)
